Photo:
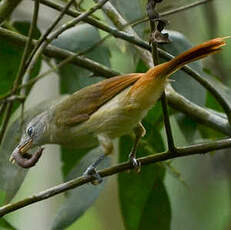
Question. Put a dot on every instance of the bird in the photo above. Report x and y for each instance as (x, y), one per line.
(104, 111)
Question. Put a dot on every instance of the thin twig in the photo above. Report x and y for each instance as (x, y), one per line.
(120, 22)
(49, 30)
(61, 64)
(26, 53)
(170, 12)
(181, 152)
(21, 70)
(56, 33)
(3, 107)
(211, 88)
(130, 37)
(28, 46)
(167, 125)
(98, 69)
(183, 8)
(58, 53)
(6, 119)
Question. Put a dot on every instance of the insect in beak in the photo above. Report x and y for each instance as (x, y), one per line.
(24, 159)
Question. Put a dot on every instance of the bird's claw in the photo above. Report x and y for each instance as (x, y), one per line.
(91, 171)
(135, 163)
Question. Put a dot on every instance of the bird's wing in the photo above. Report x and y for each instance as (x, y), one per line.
(79, 106)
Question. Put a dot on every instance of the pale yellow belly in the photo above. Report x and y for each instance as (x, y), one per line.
(118, 117)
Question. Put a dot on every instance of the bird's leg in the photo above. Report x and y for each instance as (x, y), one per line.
(139, 131)
(107, 146)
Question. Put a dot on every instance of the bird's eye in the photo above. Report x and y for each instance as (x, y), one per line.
(30, 131)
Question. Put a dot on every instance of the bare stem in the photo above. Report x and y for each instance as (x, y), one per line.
(28, 47)
(170, 12)
(49, 30)
(60, 30)
(167, 125)
(154, 158)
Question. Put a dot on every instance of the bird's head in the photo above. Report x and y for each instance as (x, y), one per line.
(35, 134)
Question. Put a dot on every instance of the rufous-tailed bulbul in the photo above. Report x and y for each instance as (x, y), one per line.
(105, 110)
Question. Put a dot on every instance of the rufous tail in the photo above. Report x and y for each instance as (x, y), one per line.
(196, 53)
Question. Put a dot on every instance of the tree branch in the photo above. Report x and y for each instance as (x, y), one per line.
(120, 22)
(180, 152)
(181, 103)
(170, 12)
(53, 35)
(197, 113)
(58, 53)
(155, 57)
(133, 38)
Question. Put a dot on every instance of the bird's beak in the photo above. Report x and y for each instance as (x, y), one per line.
(25, 146)
(23, 158)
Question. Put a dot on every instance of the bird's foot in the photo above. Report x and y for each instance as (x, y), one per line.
(135, 163)
(91, 171)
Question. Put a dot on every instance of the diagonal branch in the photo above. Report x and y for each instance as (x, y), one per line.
(170, 12)
(154, 158)
(175, 100)
(53, 35)
(130, 36)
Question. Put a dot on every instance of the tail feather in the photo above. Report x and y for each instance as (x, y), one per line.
(196, 53)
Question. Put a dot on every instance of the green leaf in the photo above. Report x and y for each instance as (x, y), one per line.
(212, 103)
(157, 210)
(23, 28)
(5, 225)
(140, 194)
(78, 39)
(152, 124)
(185, 84)
(2, 197)
(223, 90)
(10, 58)
(187, 126)
(9, 62)
(80, 199)
(73, 78)
(70, 158)
(12, 176)
(214, 106)
(132, 12)
(141, 67)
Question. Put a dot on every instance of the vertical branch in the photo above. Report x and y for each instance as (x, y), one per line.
(6, 119)
(152, 14)
(20, 71)
(27, 46)
(26, 53)
(49, 30)
(44, 42)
